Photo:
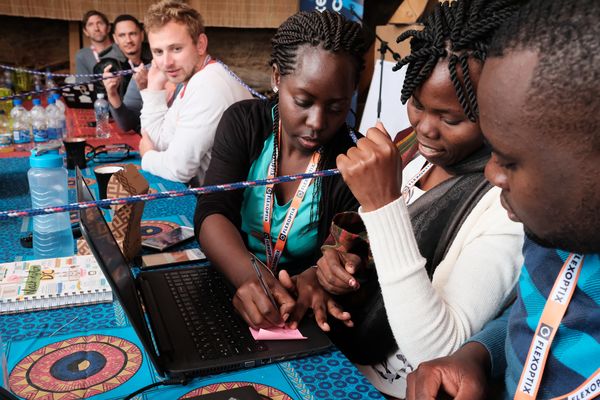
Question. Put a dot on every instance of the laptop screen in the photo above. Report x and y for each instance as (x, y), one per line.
(111, 260)
(80, 96)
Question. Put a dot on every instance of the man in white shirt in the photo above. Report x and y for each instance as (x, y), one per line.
(177, 141)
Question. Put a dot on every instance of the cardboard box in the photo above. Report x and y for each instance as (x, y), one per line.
(409, 11)
(404, 19)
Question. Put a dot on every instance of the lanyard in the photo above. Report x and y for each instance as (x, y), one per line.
(554, 311)
(407, 190)
(587, 390)
(274, 254)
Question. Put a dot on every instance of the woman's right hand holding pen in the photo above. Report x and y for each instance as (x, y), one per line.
(255, 306)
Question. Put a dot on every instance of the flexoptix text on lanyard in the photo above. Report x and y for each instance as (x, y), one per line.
(274, 253)
(553, 313)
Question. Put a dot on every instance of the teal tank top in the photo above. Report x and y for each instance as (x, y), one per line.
(302, 239)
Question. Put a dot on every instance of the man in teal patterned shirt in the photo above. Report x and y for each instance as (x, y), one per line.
(540, 112)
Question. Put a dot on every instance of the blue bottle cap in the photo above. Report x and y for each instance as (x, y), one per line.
(17, 102)
(51, 100)
(37, 102)
(49, 159)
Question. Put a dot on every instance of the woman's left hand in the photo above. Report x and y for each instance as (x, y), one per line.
(373, 169)
(309, 293)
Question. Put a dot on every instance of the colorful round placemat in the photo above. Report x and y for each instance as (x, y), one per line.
(76, 368)
(153, 227)
(264, 390)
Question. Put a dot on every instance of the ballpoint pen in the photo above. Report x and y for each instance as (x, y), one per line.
(262, 282)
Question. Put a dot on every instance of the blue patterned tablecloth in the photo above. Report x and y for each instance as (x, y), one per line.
(34, 339)
(31, 340)
(14, 194)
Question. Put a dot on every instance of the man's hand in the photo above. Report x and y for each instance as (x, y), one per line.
(141, 76)
(156, 78)
(373, 169)
(336, 269)
(309, 294)
(112, 87)
(461, 375)
(145, 144)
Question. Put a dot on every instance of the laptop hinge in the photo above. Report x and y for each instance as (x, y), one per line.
(163, 341)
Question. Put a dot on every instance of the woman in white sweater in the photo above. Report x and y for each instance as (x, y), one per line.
(446, 255)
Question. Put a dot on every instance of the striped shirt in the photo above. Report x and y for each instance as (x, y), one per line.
(575, 352)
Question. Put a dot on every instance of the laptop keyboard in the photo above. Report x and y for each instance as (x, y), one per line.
(205, 305)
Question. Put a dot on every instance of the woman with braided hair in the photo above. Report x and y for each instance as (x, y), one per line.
(316, 62)
(446, 255)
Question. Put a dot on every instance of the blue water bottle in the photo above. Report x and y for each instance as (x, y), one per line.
(52, 235)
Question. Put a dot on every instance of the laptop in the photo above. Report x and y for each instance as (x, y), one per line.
(80, 96)
(186, 333)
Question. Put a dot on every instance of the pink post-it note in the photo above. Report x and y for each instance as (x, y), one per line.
(276, 334)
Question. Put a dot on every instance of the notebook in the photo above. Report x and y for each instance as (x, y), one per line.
(51, 283)
(80, 96)
(190, 327)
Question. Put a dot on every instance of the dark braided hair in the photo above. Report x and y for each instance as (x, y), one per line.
(327, 29)
(563, 97)
(455, 30)
(331, 32)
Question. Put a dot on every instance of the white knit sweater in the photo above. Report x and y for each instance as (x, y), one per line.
(471, 285)
(183, 135)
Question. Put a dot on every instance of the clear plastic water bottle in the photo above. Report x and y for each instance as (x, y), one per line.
(39, 127)
(59, 103)
(37, 110)
(102, 112)
(52, 235)
(21, 128)
(62, 108)
(37, 83)
(50, 84)
(6, 136)
(18, 110)
(54, 121)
